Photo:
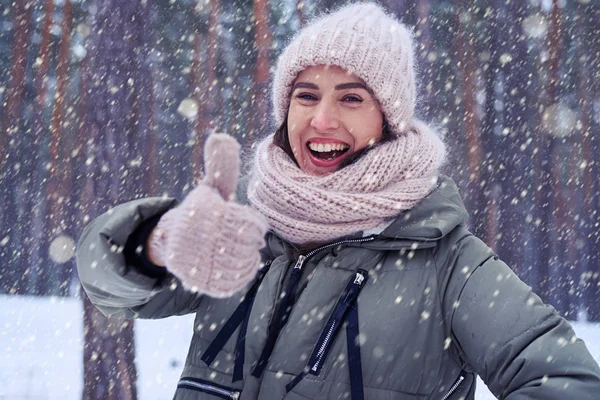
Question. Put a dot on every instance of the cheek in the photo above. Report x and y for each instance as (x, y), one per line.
(294, 126)
(376, 124)
(367, 128)
(293, 137)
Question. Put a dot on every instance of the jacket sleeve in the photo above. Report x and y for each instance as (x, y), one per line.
(120, 290)
(519, 346)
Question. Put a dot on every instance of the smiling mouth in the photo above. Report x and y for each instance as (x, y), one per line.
(327, 152)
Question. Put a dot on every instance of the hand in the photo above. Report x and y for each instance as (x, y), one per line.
(210, 242)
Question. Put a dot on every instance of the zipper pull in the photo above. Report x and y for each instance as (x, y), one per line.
(359, 279)
(300, 262)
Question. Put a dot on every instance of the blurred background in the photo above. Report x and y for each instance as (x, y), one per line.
(104, 101)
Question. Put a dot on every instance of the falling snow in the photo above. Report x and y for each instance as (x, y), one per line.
(103, 102)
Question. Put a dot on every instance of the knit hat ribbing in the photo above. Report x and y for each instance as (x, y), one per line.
(366, 42)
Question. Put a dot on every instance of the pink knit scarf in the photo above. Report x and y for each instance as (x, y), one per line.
(391, 177)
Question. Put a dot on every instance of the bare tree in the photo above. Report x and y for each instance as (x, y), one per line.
(198, 86)
(59, 187)
(115, 174)
(490, 65)
(264, 41)
(590, 235)
(467, 64)
(213, 98)
(34, 256)
(513, 174)
(423, 51)
(12, 138)
(549, 210)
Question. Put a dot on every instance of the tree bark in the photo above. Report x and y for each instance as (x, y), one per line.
(475, 199)
(197, 88)
(514, 166)
(554, 279)
(590, 236)
(13, 102)
(34, 257)
(12, 138)
(264, 41)
(423, 49)
(56, 278)
(212, 99)
(112, 129)
(491, 71)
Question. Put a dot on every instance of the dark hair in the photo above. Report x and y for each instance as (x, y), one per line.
(281, 139)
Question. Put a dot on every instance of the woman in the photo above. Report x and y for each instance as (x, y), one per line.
(369, 285)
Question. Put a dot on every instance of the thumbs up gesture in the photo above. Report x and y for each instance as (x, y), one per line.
(210, 242)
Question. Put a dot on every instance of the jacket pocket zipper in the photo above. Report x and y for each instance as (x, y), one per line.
(209, 387)
(324, 345)
(454, 387)
(337, 316)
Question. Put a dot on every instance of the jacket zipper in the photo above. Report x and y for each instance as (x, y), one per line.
(280, 319)
(324, 345)
(287, 303)
(337, 316)
(454, 387)
(297, 270)
(198, 384)
(365, 239)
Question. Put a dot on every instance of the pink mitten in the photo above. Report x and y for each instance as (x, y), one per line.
(210, 242)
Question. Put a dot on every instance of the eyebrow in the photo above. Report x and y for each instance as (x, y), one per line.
(341, 86)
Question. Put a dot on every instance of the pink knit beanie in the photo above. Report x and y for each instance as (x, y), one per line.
(365, 41)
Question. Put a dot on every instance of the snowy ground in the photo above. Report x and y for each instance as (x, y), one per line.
(41, 342)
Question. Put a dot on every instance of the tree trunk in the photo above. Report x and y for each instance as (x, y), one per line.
(212, 100)
(554, 279)
(590, 236)
(34, 256)
(513, 175)
(56, 278)
(109, 371)
(147, 98)
(426, 65)
(114, 176)
(489, 123)
(13, 100)
(260, 95)
(197, 88)
(12, 138)
(475, 198)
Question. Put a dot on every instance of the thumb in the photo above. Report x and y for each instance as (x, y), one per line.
(222, 164)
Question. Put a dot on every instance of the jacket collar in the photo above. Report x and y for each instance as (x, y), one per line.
(429, 221)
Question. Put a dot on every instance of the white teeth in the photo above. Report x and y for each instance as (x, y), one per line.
(321, 148)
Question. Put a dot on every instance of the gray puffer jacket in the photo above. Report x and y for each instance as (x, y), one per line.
(411, 313)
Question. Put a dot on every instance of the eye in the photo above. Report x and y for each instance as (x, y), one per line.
(351, 98)
(305, 97)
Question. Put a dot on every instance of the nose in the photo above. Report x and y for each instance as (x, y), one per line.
(325, 118)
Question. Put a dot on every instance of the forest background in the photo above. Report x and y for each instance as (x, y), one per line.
(104, 101)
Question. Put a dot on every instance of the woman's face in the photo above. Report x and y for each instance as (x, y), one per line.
(332, 115)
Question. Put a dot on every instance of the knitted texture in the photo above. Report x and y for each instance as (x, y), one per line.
(365, 42)
(391, 177)
(210, 242)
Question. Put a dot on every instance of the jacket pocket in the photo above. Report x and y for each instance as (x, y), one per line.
(200, 385)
